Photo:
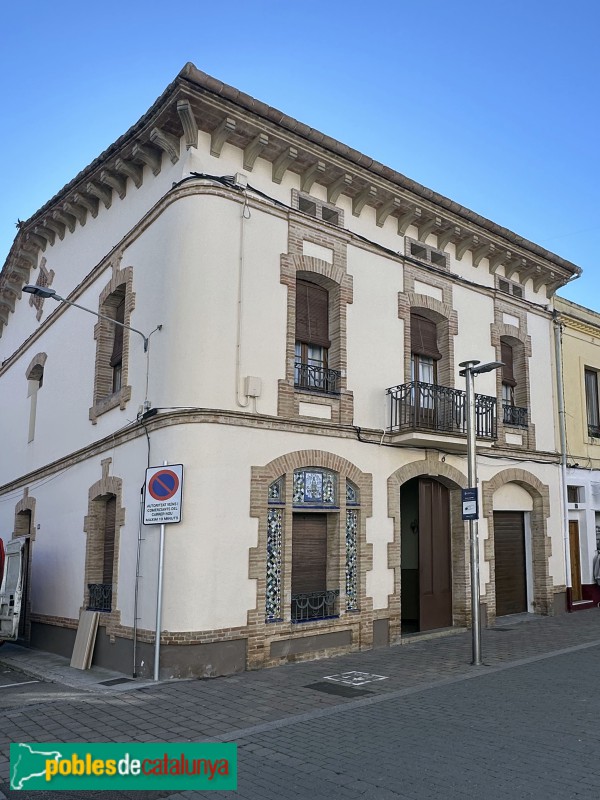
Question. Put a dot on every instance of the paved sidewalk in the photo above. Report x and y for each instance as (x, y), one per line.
(58, 669)
(286, 719)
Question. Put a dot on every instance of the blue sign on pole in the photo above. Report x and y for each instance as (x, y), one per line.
(470, 504)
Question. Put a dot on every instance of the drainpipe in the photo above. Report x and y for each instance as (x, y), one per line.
(563, 452)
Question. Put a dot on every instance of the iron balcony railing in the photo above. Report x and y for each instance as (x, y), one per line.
(314, 605)
(100, 596)
(513, 415)
(316, 379)
(428, 407)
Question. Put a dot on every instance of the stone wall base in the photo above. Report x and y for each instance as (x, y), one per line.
(176, 661)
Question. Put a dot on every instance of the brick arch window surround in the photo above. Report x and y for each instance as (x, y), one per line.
(116, 302)
(512, 343)
(430, 326)
(316, 356)
(314, 367)
(312, 508)
(35, 380)
(102, 527)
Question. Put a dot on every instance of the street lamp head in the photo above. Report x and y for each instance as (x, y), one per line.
(476, 368)
(489, 367)
(41, 291)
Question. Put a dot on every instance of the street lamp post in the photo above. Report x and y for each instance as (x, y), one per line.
(470, 369)
(45, 293)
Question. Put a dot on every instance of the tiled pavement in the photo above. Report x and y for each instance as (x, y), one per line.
(524, 725)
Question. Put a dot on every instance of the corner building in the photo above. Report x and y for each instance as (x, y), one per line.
(315, 306)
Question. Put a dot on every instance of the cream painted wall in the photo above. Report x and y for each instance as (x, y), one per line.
(580, 351)
(79, 252)
(541, 382)
(475, 315)
(206, 556)
(512, 497)
(375, 336)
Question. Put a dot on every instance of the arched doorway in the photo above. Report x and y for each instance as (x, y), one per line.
(426, 555)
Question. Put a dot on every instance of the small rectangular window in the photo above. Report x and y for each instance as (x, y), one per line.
(573, 494)
(317, 208)
(329, 215)
(307, 206)
(425, 252)
(508, 287)
(418, 251)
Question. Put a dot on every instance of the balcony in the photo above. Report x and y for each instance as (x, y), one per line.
(513, 415)
(420, 412)
(100, 597)
(312, 378)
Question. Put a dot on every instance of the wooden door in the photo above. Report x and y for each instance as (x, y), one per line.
(435, 565)
(309, 553)
(509, 553)
(575, 560)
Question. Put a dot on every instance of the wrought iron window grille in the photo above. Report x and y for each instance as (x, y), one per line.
(312, 378)
(100, 597)
(513, 415)
(310, 606)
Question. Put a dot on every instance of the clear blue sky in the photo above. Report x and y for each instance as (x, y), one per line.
(493, 104)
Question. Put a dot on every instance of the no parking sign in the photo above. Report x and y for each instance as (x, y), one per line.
(162, 495)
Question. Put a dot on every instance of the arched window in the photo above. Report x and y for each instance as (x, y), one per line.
(116, 304)
(34, 384)
(103, 563)
(324, 556)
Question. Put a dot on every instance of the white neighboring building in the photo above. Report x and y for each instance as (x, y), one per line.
(315, 306)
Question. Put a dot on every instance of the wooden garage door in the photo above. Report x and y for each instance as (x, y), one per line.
(309, 553)
(509, 552)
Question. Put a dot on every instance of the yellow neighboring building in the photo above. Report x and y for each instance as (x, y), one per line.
(580, 351)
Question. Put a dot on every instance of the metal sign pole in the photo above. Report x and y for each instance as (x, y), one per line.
(161, 558)
(473, 523)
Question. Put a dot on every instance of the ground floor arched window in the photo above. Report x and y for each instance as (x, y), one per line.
(322, 512)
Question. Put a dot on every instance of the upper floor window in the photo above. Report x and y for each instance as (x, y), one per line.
(112, 344)
(514, 389)
(509, 287)
(116, 359)
(312, 369)
(508, 375)
(424, 349)
(573, 494)
(591, 400)
(35, 381)
(426, 253)
(317, 208)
